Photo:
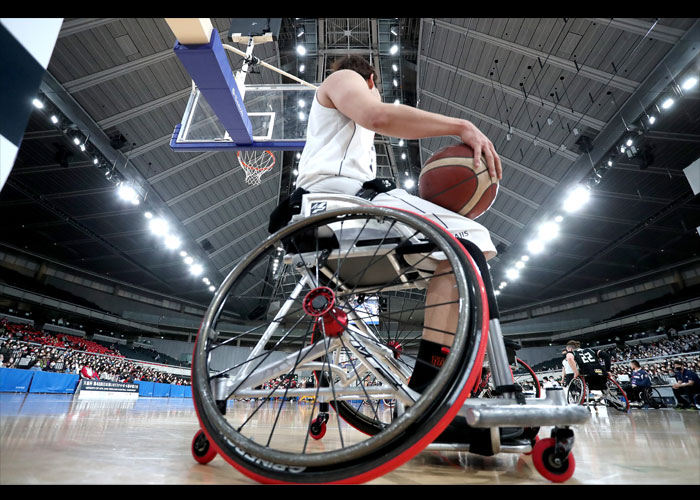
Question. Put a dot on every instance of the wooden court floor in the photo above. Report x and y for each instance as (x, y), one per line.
(54, 439)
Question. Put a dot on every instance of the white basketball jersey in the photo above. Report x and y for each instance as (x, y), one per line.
(335, 146)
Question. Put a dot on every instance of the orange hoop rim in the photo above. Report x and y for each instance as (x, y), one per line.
(245, 165)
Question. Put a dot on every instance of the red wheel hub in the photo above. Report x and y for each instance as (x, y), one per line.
(396, 347)
(320, 303)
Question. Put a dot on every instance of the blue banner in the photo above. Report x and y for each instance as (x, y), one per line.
(145, 388)
(177, 391)
(12, 380)
(54, 383)
(161, 390)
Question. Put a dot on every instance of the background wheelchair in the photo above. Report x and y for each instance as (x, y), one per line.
(292, 305)
(611, 394)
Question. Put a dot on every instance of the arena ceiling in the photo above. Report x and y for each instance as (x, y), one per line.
(556, 96)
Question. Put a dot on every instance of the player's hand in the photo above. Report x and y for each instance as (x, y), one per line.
(482, 146)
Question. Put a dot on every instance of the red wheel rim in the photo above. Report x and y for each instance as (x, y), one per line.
(540, 455)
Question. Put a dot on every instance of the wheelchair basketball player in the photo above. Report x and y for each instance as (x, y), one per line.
(588, 363)
(339, 157)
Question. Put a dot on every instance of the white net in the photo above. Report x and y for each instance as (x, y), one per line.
(255, 164)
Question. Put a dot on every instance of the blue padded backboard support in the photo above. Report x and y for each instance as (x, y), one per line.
(209, 68)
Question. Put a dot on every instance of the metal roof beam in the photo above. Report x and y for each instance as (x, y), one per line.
(111, 121)
(597, 75)
(538, 101)
(83, 24)
(662, 33)
(555, 148)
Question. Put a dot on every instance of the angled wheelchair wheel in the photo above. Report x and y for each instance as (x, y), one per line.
(576, 391)
(525, 376)
(615, 397)
(300, 302)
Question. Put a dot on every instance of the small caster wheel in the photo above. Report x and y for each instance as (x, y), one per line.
(202, 451)
(317, 429)
(549, 466)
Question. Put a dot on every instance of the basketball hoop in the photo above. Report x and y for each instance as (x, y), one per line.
(255, 164)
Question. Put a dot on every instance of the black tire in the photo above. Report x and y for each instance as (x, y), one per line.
(615, 397)
(576, 391)
(526, 377)
(246, 297)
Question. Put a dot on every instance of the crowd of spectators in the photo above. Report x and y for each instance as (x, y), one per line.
(667, 347)
(23, 347)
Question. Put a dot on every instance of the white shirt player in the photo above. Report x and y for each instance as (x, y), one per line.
(335, 146)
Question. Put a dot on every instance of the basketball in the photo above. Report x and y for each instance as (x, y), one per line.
(450, 179)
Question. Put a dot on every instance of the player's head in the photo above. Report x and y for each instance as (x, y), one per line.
(360, 65)
(635, 364)
(677, 366)
(572, 345)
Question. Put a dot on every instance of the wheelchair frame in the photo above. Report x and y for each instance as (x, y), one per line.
(508, 409)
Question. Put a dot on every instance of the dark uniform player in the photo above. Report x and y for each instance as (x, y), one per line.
(593, 365)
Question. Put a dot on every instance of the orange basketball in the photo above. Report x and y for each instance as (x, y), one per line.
(450, 179)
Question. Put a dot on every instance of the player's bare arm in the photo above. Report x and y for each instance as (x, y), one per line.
(347, 91)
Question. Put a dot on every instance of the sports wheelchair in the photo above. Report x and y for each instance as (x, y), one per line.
(578, 392)
(296, 304)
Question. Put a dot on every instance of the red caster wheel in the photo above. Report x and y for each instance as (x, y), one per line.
(548, 465)
(318, 428)
(202, 451)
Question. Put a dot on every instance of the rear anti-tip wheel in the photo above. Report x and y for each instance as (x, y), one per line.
(202, 451)
(317, 429)
(551, 467)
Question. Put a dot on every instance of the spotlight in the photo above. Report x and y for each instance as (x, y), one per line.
(76, 141)
(95, 161)
(126, 192)
(520, 264)
(212, 288)
(206, 281)
(295, 172)
(548, 231)
(188, 260)
(401, 143)
(302, 68)
(172, 242)
(689, 83)
(395, 82)
(183, 253)
(302, 116)
(54, 118)
(397, 102)
(158, 226)
(301, 50)
(525, 258)
(503, 284)
(667, 103)
(512, 274)
(577, 198)
(409, 183)
(535, 246)
(652, 119)
(629, 142)
(302, 103)
(558, 218)
(394, 49)
(403, 156)
(148, 215)
(394, 67)
(610, 163)
(196, 269)
(38, 104)
(496, 292)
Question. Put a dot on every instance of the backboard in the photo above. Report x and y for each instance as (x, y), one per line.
(226, 113)
(277, 113)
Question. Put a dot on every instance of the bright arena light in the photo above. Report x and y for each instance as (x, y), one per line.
(212, 288)
(577, 199)
(512, 274)
(127, 193)
(188, 260)
(183, 254)
(535, 246)
(525, 258)
(148, 215)
(667, 103)
(196, 269)
(409, 183)
(548, 231)
(158, 226)
(38, 104)
(172, 242)
(301, 50)
(394, 49)
(520, 264)
(689, 83)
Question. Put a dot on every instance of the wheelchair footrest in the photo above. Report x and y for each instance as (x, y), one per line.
(498, 412)
(465, 447)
